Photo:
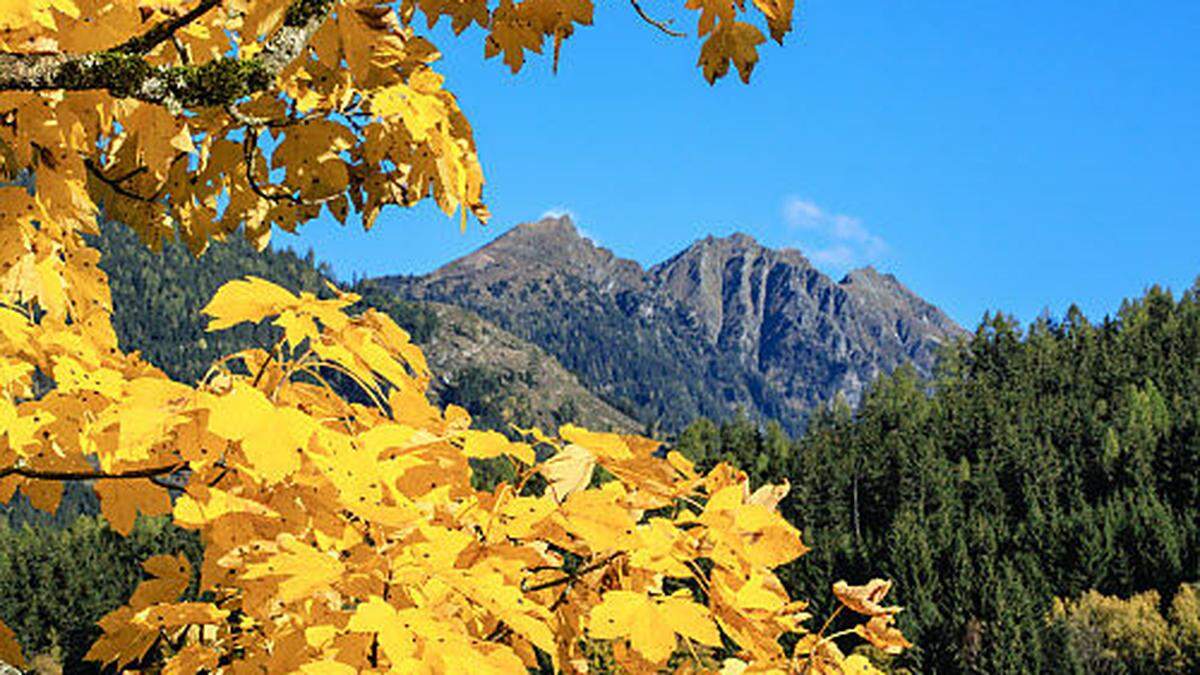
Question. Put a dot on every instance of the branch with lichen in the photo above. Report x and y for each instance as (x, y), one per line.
(124, 73)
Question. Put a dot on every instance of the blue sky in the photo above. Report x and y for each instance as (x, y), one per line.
(992, 154)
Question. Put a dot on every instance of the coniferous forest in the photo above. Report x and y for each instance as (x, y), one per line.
(1040, 463)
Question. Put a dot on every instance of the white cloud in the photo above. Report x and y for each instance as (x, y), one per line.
(840, 256)
(559, 212)
(833, 239)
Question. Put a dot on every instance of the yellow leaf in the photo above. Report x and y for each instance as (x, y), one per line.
(735, 41)
(251, 299)
(304, 569)
(168, 615)
(651, 624)
(488, 444)
(122, 500)
(879, 631)
(865, 599)
(769, 496)
(603, 445)
(171, 574)
(569, 471)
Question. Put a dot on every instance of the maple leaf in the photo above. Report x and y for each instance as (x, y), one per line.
(769, 496)
(489, 444)
(651, 624)
(732, 41)
(603, 445)
(303, 569)
(779, 16)
(121, 501)
(171, 575)
(511, 34)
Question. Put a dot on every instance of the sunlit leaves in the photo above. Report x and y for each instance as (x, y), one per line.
(357, 520)
(299, 569)
(651, 624)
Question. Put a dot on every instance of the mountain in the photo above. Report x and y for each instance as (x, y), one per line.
(725, 324)
(495, 375)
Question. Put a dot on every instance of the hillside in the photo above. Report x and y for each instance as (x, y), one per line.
(725, 324)
(498, 377)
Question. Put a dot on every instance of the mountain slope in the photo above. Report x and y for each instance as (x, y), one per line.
(498, 377)
(725, 324)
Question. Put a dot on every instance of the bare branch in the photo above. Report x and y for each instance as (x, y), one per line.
(148, 472)
(664, 26)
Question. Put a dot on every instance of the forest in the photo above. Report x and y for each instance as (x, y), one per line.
(1042, 466)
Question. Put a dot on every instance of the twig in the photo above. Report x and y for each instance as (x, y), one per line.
(661, 25)
(571, 577)
(115, 184)
(146, 42)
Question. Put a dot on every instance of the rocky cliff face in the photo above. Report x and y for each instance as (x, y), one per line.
(726, 323)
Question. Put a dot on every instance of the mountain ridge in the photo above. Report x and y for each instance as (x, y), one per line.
(726, 323)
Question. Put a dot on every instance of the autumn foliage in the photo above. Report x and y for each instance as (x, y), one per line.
(342, 533)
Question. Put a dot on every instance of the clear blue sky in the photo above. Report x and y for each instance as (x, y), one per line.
(992, 154)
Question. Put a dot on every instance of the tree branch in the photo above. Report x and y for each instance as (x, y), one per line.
(146, 42)
(125, 74)
(148, 472)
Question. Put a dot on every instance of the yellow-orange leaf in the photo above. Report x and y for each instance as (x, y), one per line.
(651, 624)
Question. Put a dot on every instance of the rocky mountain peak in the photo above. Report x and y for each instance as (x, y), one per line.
(552, 246)
(723, 324)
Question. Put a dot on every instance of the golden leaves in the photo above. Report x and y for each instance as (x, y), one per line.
(301, 569)
(170, 575)
(732, 42)
(651, 624)
(333, 525)
(341, 534)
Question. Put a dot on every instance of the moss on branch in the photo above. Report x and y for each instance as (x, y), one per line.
(125, 74)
